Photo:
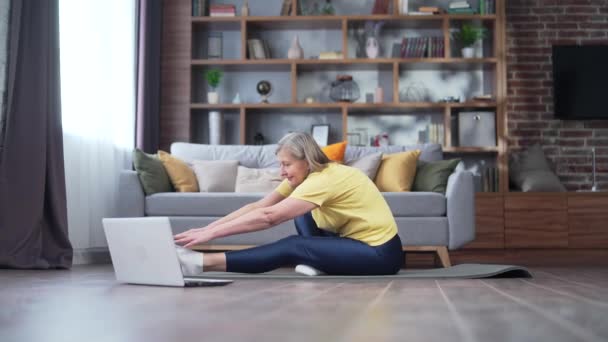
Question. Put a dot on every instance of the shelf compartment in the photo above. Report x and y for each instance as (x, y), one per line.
(478, 161)
(230, 37)
(428, 82)
(199, 126)
(274, 123)
(294, 23)
(312, 41)
(316, 82)
(243, 81)
(405, 126)
(484, 48)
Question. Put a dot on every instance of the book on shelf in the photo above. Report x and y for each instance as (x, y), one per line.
(381, 7)
(331, 55)
(216, 10)
(459, 4)
(420, 47)
(286, 7)
(461, 11)
(199, 8)
(420, 13)
(489, 179)
(430, 9)
(258, 49)
(435, 133)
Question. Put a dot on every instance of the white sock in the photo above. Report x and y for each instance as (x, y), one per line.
(191, 261)
(308, 270)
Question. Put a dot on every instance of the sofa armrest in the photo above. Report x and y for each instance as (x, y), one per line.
(131, 196)
(460, 196)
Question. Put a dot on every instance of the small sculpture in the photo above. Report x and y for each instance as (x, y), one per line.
(237, 99)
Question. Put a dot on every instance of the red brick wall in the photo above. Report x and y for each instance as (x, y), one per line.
(533, 26)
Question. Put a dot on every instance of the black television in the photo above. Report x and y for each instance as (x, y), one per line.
(580, 82)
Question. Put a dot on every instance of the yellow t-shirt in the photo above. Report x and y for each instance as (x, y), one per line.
(349, 204)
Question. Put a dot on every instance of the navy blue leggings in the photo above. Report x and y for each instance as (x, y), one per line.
(320, 249)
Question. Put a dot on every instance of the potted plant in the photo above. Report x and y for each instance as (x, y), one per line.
(214, 77)
(468, 35)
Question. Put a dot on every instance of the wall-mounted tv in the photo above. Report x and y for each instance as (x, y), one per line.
(580, 82)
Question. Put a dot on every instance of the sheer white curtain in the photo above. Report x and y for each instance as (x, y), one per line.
(97, 44)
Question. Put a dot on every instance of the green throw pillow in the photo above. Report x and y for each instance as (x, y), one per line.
(151, 172)
(433, 176)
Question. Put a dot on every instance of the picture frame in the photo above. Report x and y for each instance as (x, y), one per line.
(321, 134)
(214, 45)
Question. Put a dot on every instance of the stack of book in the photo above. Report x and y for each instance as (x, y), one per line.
(430, 9)
(419, 47)
(331, 55)
(435, 133)
(217, 10)
(460, 7)
(257, 49)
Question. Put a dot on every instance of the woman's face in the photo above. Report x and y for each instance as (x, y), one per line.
(294, 170)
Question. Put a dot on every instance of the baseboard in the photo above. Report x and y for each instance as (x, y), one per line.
(89, 256)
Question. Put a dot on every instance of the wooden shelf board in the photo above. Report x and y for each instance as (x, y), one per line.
(353, 106)
(488, 149)
(317, 18)
(353, 61)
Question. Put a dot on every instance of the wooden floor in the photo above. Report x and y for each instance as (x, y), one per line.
(85, 304)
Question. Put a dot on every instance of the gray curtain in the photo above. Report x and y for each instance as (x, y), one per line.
(33, 215)
(147, 133)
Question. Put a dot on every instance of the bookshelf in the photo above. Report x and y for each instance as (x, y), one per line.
(295, 79)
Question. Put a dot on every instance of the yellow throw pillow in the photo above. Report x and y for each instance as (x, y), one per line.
(181, 175)
(335, 152)
(397, 171)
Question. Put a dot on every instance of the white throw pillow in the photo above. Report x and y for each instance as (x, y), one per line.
(368, 164)
(215, 175)
(257, 180)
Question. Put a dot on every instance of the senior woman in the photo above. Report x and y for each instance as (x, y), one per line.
(344, 225)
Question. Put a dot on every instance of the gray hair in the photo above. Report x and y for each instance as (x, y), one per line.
(302, 146)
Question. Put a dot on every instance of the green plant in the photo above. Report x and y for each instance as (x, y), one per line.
(214, 77)
(469, 34)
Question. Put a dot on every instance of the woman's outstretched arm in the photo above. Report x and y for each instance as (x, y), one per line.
(254, 220)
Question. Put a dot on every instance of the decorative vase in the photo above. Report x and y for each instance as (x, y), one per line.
(295, 51)
(344, 89)
(216, 128)
(213, 97)
(245, 9)
(478, 47)
(468, 52)
(379, 95)
(371, 47)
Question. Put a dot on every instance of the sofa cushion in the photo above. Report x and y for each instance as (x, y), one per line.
(335, 152)
(397, 171)
(181, 175)
(416, 204)
(368, 164)
(428, 152)
(411, 204)
(151, 173)
(257, 180)
(251, 156)
(433, 176)
(215, 175)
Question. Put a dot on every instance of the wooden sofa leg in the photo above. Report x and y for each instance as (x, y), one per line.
(442, 252)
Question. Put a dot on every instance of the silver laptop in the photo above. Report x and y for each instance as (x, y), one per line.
(143, 252)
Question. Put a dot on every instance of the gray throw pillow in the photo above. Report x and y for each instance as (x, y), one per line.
(257, 180)
(151, 173)
(368, 164)
(216, 175)
(529, 170)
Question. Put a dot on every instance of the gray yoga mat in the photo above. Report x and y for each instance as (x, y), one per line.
(464, 271)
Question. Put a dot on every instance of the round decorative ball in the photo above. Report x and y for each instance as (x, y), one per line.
(264, 87)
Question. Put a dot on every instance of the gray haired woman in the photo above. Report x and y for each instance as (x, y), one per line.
(344, 225)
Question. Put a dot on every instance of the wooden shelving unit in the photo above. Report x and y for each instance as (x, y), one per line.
(494, 62)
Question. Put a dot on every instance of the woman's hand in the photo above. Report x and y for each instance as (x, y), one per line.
(193, 237)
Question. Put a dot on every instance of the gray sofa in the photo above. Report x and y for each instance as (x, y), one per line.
(423, 218)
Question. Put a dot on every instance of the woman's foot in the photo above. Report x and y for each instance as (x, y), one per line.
(190, 261)
(308, 270)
